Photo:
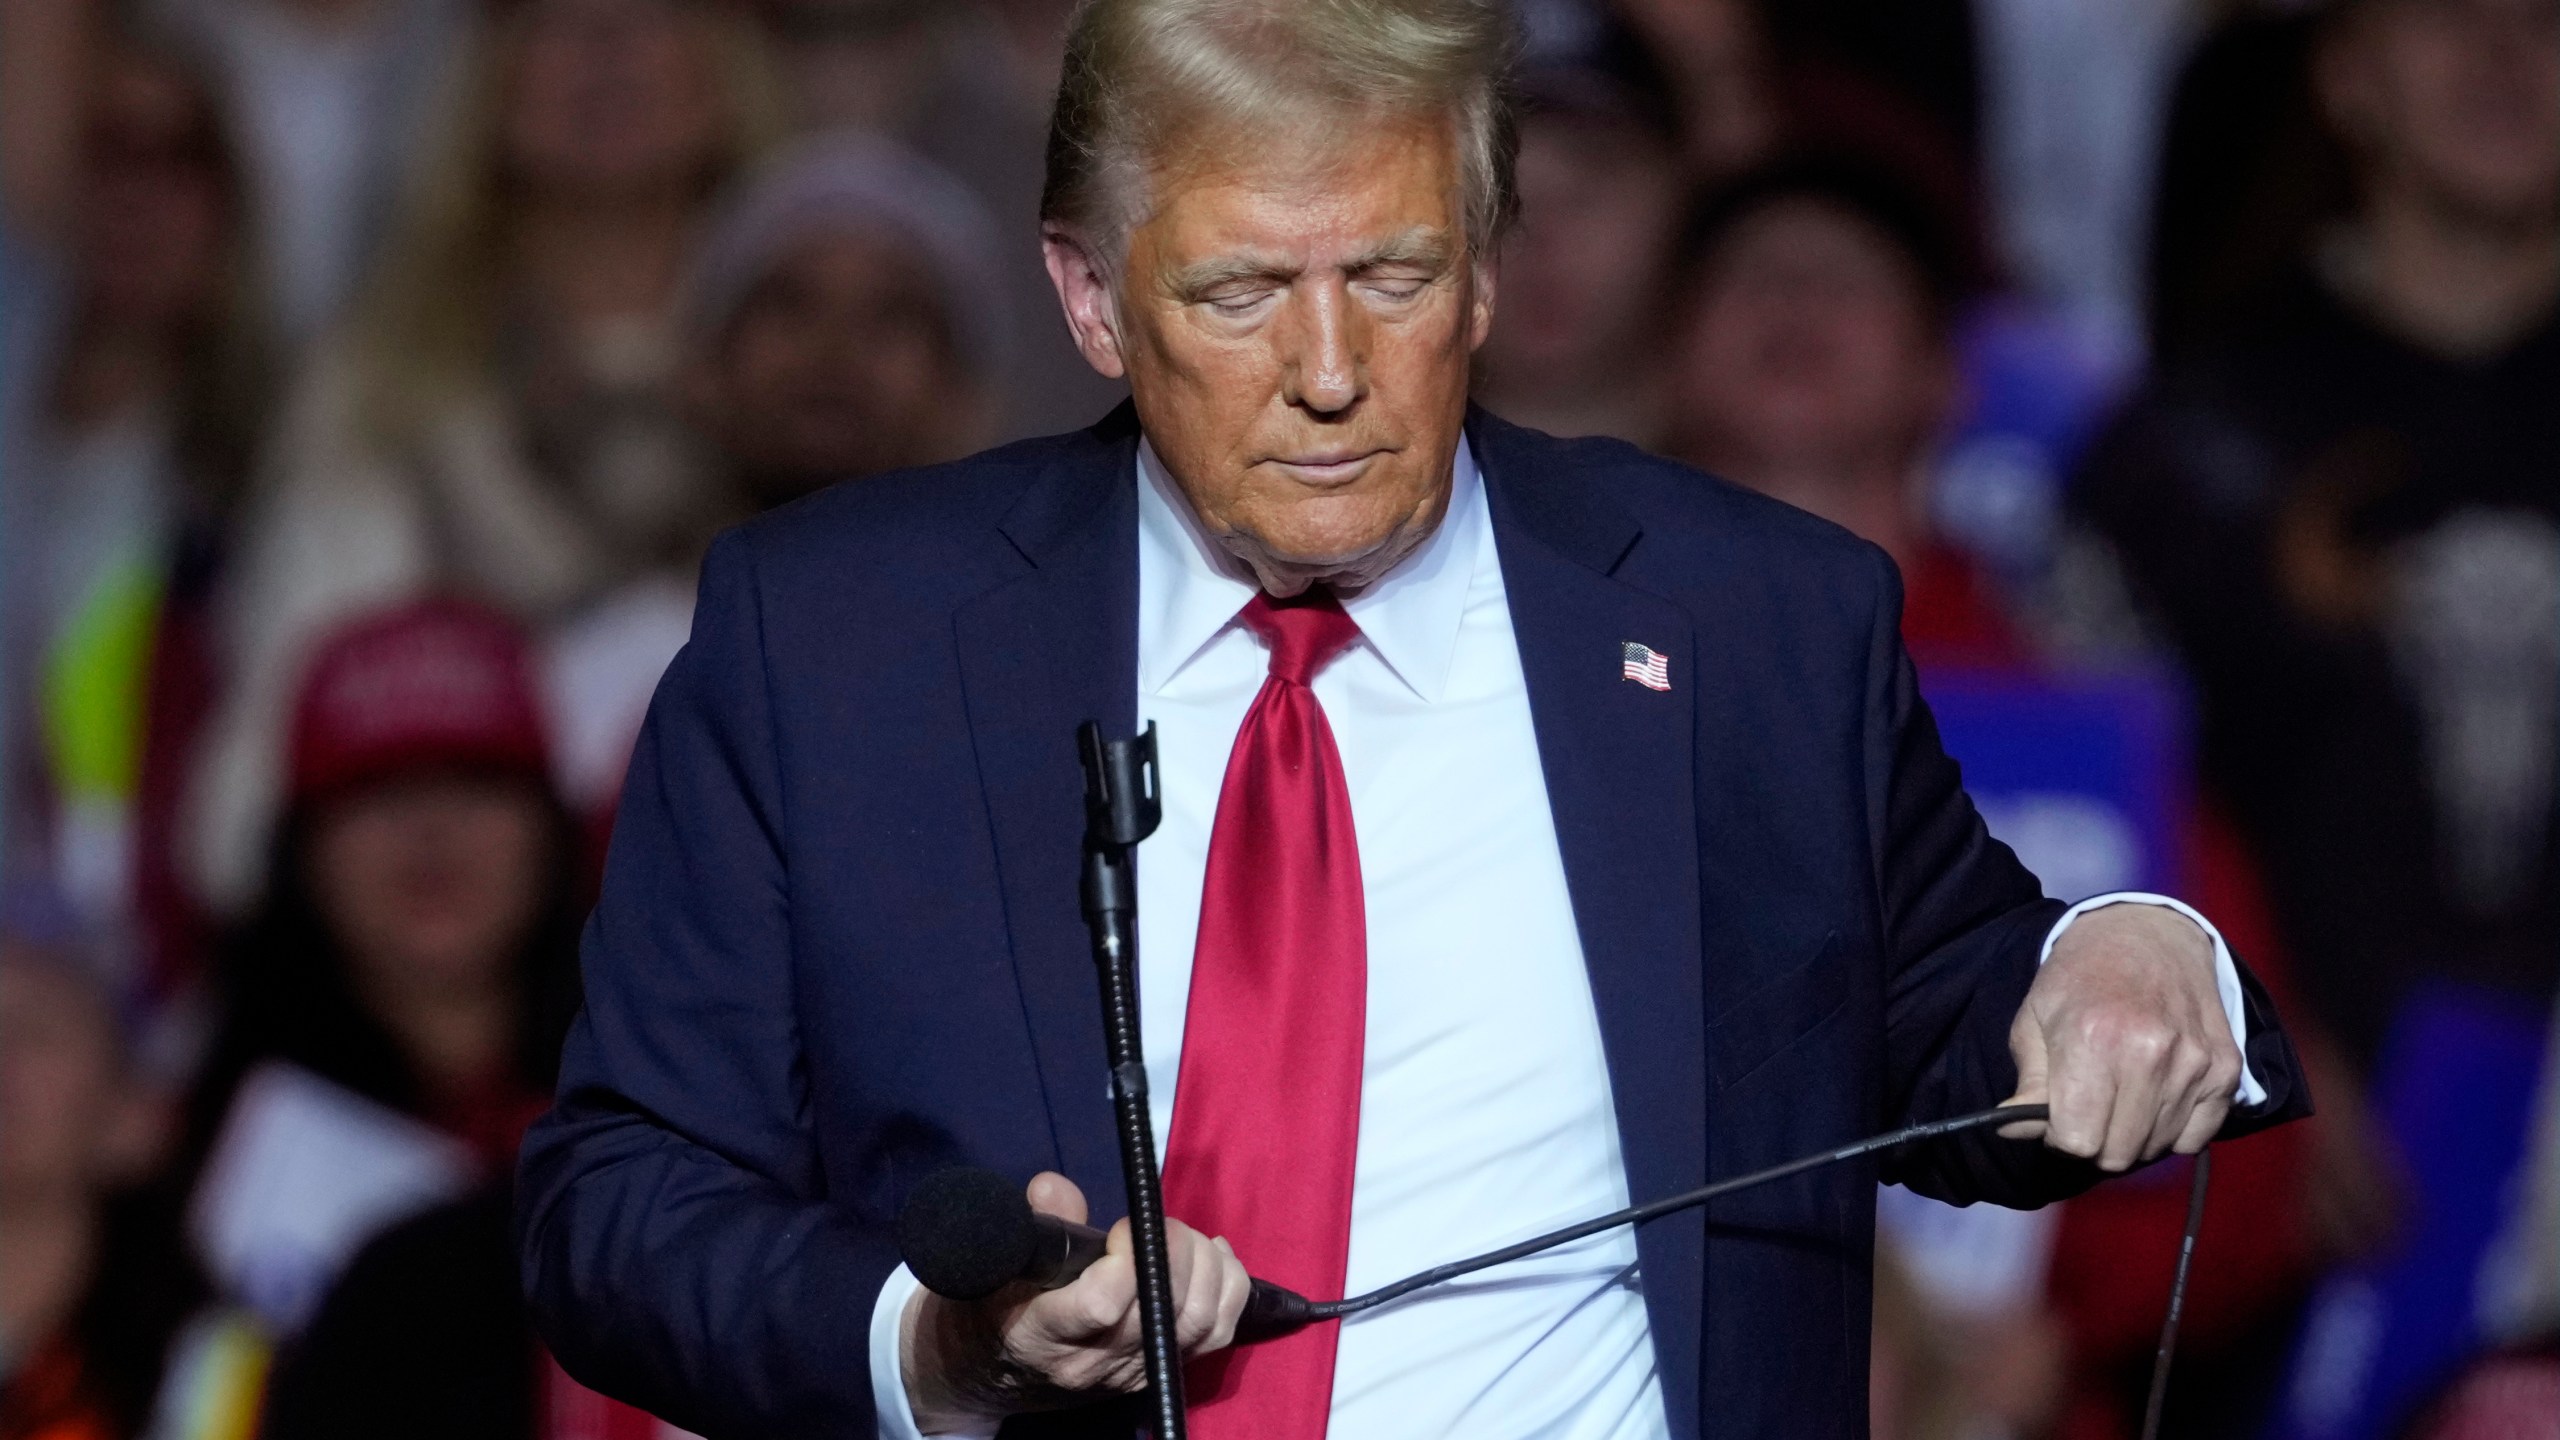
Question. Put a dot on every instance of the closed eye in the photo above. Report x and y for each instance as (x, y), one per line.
(1237, 304)
(1398, 291)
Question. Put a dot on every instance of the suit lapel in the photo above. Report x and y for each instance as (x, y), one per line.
(1039, 655)
(1619, 761)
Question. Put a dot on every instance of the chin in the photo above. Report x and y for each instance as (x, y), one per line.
(1331, 559)
(1328, 545)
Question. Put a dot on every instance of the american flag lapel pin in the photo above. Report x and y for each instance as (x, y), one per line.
(1644, 665)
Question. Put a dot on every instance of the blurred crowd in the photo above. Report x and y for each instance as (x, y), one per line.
(374, 372)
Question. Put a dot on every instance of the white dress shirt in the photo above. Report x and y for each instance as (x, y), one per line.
(1485, 1107)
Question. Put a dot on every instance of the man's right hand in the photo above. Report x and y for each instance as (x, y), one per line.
(968, 1364)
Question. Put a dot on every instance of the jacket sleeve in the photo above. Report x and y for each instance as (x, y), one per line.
(1964, 927)
(673, 1231)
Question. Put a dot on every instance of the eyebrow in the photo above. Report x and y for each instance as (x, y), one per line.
(1422, 247)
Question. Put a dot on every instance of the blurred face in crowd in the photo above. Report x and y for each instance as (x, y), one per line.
(839, 363)
(156, 215)
(431, 883)
(609, 97)
(1296, 323)
(1581, 274)
(2458, 100)
(72, 1119)
(1809, 345)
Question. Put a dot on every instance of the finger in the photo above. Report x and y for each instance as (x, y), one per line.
(1094, 1309)
(2203, 1123)
(2137, 1066)
(1195, 1308)
(2182, 1091)
(2205, 1071)
(1100, 1305)
(1083, 1336)
(1121, 1244)
(1075, 1337)
(1235, 1287)
(2168, 1118)
(1181, 1244)
(2213, 1102)
(1206, 1311)
(2081, 1095)
(2210, 1105)
(1051, 1193)
(2026, 1047)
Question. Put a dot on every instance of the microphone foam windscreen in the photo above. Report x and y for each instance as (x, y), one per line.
(966, 1233)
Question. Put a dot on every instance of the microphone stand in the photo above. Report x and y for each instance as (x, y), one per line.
(1122, 806)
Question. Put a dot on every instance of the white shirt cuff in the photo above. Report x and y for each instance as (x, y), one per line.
(2226, 974)
(889, 1408)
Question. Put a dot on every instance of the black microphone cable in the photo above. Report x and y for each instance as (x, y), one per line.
(2177, 1294)
(1638, 1214)
(1929, 1130)
(1004, 1251)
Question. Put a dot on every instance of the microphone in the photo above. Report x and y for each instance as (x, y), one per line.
(966, 1234)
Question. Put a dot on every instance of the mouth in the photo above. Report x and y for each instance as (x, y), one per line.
(1325, 467)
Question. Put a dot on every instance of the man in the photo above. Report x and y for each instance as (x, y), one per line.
(1545, 825)
(1579, 349)
(1812, 362)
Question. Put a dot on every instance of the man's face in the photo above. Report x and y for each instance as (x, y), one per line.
(1581, 276)
(840, 363)
(2458, 98)
(1809, 346)
(1295, 328)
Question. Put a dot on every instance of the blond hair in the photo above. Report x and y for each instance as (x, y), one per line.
(427, 327)
(1144, 76)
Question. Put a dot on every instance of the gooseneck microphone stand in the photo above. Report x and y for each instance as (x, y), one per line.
(1121, 807)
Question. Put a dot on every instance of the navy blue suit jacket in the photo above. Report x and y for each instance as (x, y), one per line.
(839, 946)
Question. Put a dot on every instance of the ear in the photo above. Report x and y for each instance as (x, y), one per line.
(1084, 292)
(1481, 282)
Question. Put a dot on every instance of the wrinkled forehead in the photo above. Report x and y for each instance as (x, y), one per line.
(1374, 189)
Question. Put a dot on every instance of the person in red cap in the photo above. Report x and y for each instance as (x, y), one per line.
(417, 941)
(416, 947)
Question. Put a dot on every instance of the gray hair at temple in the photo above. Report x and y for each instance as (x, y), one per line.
(1143, 77)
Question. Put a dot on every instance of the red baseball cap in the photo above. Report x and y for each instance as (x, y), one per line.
(431, 684)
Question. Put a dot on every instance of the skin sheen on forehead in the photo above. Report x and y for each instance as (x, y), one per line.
(1351, 202)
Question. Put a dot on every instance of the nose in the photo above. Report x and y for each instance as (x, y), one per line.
(1327, 364)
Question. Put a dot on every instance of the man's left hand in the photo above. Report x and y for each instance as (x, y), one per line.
(2123, 1035)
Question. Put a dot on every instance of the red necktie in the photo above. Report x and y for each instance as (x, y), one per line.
(1266, 1113)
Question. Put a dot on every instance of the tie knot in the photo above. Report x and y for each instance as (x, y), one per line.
(1303, 633)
